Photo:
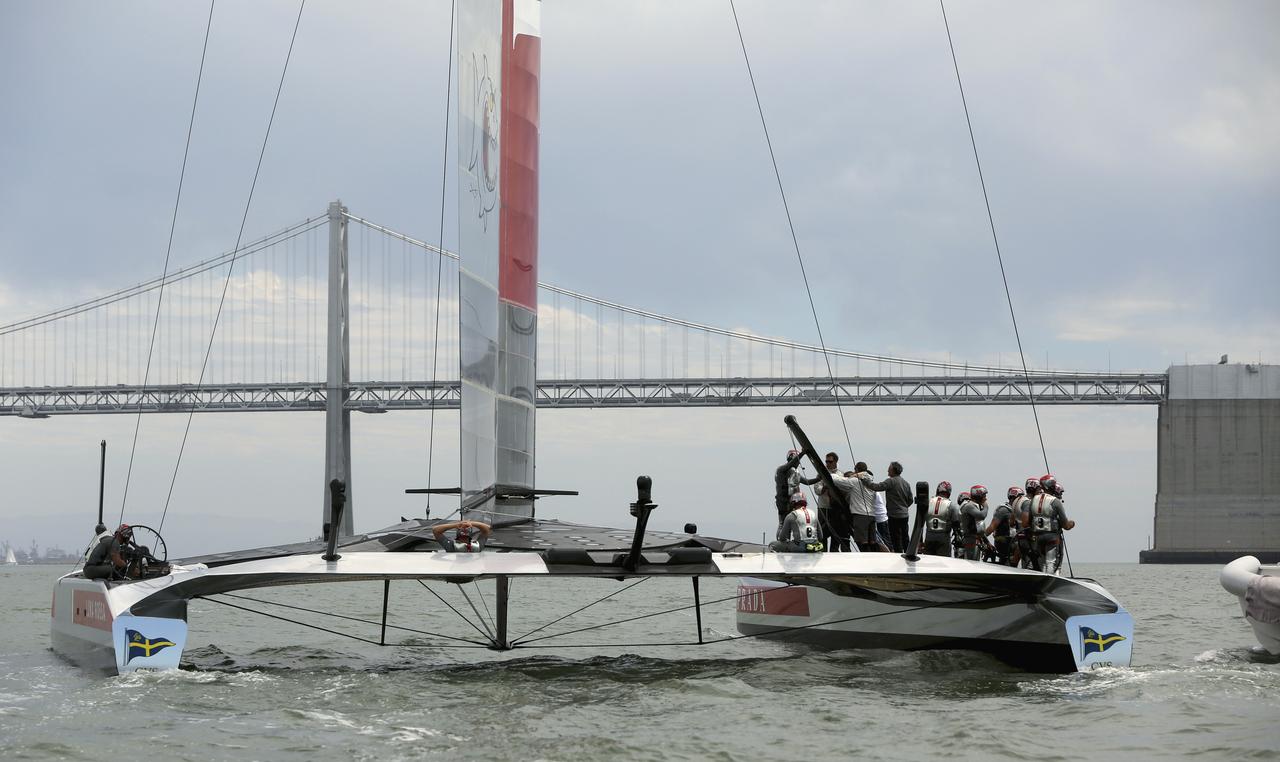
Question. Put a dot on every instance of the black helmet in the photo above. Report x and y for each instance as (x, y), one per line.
(1014, 493)
(1032, 485)
(944, 488)
(977, 492)
(1048, 483)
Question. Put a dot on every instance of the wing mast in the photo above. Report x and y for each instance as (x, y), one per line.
(498, 69)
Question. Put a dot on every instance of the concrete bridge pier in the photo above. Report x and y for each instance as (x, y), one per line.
(1218, 465)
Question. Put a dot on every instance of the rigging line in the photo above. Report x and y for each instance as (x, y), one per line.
(578, 611)
(173, 223)
(640, 616)
(231, 266)
(481, 619)
(739, 596)
(435, 331)
(1031, 397)
(330, 630)
(343, 616)
(480, 594)
(835, 392)
(451, 608)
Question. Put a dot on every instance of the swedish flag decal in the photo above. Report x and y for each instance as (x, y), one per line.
(1091, 642)
(142, 646)
(1100, 640)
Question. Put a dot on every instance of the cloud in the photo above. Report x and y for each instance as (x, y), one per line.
(1237, 126)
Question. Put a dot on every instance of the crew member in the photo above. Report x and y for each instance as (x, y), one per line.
(1024, 552)
(972, 514)
(940, 521)
(799, 532)
(786, 481)
(469, 538)
(862, 508)
(898, 498)
(834, 513)
(957, 537)
(1001, 525)
(106, 560)
(1047, 519)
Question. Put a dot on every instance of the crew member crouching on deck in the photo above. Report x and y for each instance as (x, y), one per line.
(799, 532)
(465, 540)
(106, 560)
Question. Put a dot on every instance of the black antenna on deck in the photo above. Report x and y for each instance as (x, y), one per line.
(641, 509)
(102, 481)
(917, 529)
(338, 499)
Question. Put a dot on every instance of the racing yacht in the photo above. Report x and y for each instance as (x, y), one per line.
(848, 600)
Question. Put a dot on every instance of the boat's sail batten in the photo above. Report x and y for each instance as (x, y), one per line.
(498, 67)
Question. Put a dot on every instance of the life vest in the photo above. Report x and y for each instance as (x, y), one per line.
(807, 521)
(468, 544)
(939, 515)
(1042, 512)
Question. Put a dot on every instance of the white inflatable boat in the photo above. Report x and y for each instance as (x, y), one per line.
(1257, 586)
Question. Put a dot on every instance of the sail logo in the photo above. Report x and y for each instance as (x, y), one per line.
(482, 155)
(140, 646)
(1093, 643)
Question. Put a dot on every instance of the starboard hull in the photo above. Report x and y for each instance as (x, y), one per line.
(1059, 626)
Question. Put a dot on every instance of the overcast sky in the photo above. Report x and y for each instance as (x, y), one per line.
(1132, 154)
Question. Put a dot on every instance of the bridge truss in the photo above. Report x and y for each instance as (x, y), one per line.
(379, 397)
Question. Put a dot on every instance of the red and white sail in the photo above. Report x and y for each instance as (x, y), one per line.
(499, 55)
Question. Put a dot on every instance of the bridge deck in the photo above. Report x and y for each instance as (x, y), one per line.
(374, 397)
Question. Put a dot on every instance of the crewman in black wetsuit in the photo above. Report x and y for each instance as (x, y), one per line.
(106, 560)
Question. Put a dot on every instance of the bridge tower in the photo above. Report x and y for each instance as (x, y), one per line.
(1218, 465)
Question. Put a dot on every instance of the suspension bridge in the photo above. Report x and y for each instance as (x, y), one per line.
(338, 310)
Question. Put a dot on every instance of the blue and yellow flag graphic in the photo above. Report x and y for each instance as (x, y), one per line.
(141, 646)
(1091, 642)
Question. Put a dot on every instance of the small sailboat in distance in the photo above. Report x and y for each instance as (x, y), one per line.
(9, 558)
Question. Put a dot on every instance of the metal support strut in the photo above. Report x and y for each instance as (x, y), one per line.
(337, 423)
(502, 591)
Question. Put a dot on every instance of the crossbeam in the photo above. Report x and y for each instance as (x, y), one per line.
(379, 397)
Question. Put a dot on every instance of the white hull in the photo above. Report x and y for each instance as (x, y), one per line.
(1018, 616)
(1257, 586)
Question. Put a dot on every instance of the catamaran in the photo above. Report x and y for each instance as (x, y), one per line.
(1036, 620)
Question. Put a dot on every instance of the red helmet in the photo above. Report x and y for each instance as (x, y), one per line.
(977, 492)
(964, 496)
(1015, 492)
(1048, 483)
(1058, 489)
(125, 531)
(1032, 485)
(944, 488)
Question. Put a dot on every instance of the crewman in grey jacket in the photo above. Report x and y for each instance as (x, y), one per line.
(898, 499)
